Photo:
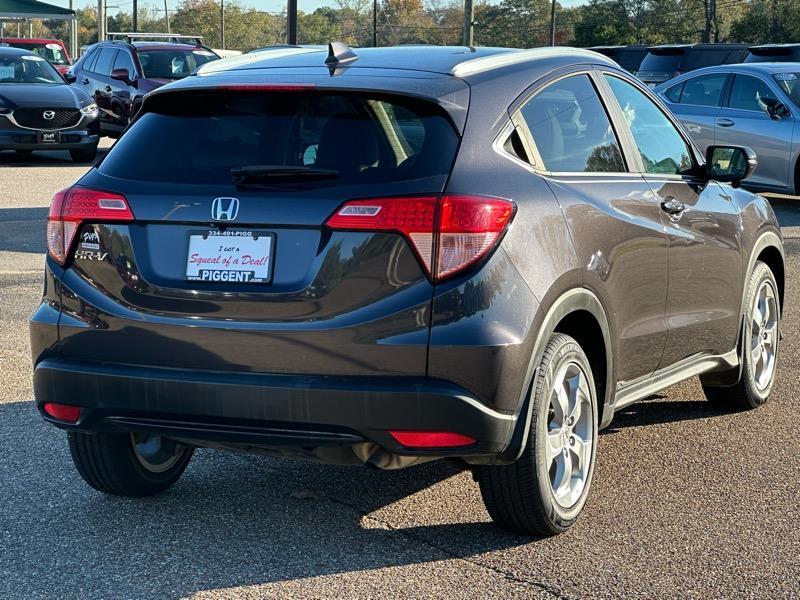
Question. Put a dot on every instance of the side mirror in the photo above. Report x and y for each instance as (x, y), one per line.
(774, 108)
(121, 75)
(730, 164)
(69, 77)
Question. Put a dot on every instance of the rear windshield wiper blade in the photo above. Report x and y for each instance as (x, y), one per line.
(255, 174)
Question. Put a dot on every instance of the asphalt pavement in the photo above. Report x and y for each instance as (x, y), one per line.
(687, 502)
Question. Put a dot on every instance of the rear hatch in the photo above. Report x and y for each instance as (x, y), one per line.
(773, 54)
(228, 263)
(660, 64)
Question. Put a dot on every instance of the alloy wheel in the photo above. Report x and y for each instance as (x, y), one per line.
(763, 335)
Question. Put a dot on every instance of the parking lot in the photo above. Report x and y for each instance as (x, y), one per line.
(687, 502)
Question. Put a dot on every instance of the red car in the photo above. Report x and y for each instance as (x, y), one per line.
(53, 50)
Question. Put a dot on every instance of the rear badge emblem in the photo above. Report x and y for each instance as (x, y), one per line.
(224, 209)
(49, 114)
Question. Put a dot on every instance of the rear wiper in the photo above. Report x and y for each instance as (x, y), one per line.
(255, 174)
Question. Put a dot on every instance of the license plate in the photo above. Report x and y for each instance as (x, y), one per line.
(49, 137)
(230, 256)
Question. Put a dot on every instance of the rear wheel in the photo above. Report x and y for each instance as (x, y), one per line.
(545, 490)
(761, 340)
(83, 155)
(128, 464)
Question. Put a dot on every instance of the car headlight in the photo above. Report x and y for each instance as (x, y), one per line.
(90, 110)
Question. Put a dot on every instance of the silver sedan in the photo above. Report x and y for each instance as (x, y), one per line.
(755, 105)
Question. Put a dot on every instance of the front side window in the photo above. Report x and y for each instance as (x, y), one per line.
(705, 90)
(571, 129)
(124, 61)
(105, 61)
(746, 93)
(660, 144)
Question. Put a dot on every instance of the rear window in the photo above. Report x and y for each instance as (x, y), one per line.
(364, 138)
(665, 60)
(173, 64)
(773, 55)
(698, 58)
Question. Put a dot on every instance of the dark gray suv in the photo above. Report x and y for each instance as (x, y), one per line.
(398, 256)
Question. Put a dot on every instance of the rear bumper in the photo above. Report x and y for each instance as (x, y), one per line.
(269, 410)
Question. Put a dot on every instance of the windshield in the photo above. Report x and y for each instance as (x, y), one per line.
(28, 68)
(173, 64)
(52, 52)
(328, 138)
(789, 84)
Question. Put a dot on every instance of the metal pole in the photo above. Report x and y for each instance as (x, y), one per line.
(553, 23)
(469, 20)
(135, 18)
(166, 14)
(291, 22)
(101, 20)
(30, 29)
(222, 23)
(73, 35)
(374, 23)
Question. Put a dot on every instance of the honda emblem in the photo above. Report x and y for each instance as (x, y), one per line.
(224, 209)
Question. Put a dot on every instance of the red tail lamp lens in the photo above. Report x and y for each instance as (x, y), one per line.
(431, 439)
(458, 230)
(73, 206)
(63, 412)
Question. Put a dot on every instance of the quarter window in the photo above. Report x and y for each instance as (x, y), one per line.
(660, 144)
(746, 93)
(571, 129)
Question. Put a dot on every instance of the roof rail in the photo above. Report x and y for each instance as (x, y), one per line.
(172, 37)
(513, 57)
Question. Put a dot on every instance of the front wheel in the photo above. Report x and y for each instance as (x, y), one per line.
(125, 464)
(760, 341)
(545, 490)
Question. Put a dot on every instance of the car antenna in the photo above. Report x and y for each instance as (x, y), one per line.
(339, 54)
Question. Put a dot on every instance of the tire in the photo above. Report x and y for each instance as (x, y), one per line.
(109, 463)
(521, 497)
(763, 334)
(83, 156)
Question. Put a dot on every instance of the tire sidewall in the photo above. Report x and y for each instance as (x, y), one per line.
(760, 274)
(568, 350)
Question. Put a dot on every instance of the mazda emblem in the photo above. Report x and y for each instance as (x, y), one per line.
(224, 209)
(49, 114)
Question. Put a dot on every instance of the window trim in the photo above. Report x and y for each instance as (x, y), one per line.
(699, 159)
(530, 145)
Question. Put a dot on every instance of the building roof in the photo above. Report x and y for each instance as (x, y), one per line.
(33, 9)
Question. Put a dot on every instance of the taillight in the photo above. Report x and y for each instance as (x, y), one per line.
(448, 234)
(431, 439)
(63, 412)
(73, 206)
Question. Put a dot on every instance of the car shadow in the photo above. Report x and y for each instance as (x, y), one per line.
(46, 158)
(657, 410)
(231, 520)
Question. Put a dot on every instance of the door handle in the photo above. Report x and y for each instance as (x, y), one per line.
(671, 206)
(725, 122)
(85, 81)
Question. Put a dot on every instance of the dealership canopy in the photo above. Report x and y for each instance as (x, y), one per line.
(32, 9)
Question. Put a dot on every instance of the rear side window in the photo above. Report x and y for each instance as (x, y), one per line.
(660, 144)
(705, 90)
(746, 93)
(363, 138)
(571, 129)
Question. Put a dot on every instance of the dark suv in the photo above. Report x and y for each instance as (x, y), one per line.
(39, 111)
(118, 73)
(662, 63)
(773, 53)
(482, 258)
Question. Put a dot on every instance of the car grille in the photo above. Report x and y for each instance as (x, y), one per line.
(34, 117)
